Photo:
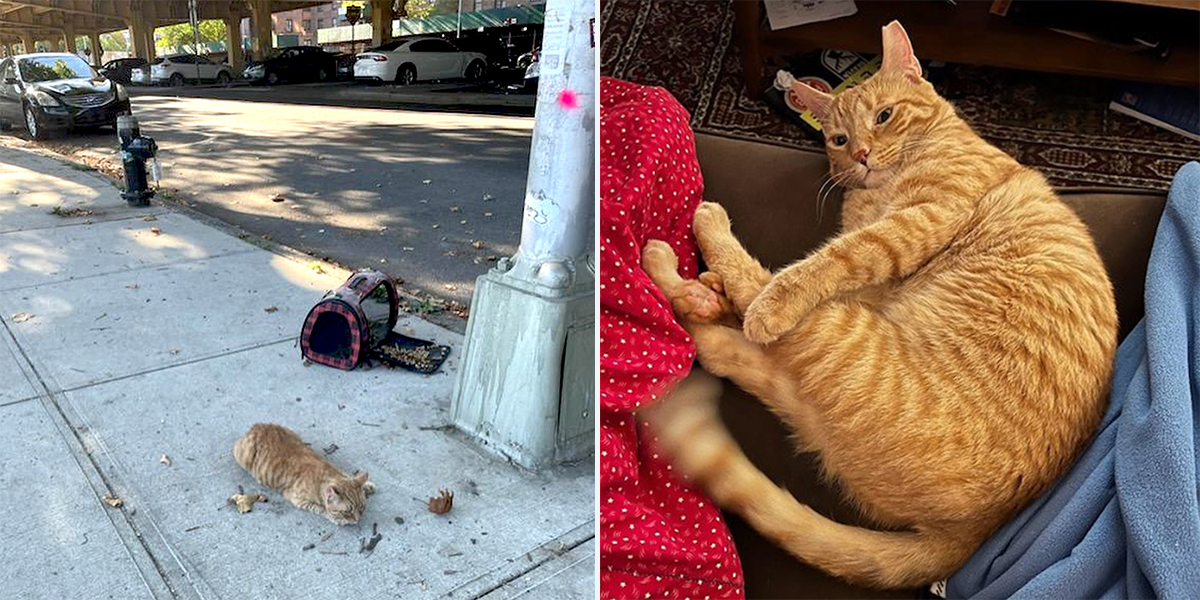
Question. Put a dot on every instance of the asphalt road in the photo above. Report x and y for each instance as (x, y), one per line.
(430, 197)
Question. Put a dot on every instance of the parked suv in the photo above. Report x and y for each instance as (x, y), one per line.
(57, 91)
(182, 68)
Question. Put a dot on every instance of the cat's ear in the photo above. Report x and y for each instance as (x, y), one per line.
(329, 494)
(361, 478)
(898, 52)
(813, 99)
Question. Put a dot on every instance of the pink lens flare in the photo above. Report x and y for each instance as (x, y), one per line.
(568, 99)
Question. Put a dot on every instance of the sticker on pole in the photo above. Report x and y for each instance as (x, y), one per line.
(556, 27)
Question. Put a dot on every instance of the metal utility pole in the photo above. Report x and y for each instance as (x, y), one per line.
(526, 385)
(458, 27)
(195, 33)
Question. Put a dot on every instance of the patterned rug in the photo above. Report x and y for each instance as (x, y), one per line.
(1058, 124)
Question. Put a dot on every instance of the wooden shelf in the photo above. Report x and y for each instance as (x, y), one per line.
(969, 33)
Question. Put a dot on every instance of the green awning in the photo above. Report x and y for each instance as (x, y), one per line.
(523, 15)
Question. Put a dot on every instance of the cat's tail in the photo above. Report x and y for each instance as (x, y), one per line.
(689, 430)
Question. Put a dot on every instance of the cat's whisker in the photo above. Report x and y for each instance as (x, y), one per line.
(837, 179)
(820, 206)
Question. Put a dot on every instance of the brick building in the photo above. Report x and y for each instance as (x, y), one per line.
(300, 26)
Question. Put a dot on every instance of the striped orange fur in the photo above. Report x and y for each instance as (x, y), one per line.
(948, 354)
(277, 457)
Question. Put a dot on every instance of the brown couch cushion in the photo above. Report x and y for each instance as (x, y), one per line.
(770, 193)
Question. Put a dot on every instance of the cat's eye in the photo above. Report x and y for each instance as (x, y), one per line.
(884, 115)
(839, 140)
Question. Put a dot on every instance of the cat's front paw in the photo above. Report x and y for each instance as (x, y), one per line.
(369, 488)
(659, 261)
(765, 321)
(710, 219)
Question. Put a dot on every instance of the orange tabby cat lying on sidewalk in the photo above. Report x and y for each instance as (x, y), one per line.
(277, 457)
(948, 354)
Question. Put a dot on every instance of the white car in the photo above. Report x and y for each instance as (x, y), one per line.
(422, 59)
(181, 68)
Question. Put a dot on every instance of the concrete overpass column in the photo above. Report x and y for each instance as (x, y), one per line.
(260, 28)
(149, 33)
(233, 42)
(381, 22)
(97, 49)
(136, 37)
(69, 38)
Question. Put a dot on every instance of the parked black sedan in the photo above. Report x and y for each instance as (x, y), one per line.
(56, 92)
(298, 63)
(121, 69)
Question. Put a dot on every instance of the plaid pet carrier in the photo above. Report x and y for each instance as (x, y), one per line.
(347, 323)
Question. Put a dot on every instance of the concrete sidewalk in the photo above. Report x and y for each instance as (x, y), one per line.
(128, 334)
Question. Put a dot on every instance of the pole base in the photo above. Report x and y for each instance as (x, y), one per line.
(526, 387)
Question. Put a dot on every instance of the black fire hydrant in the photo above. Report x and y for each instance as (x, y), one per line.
(135, 151)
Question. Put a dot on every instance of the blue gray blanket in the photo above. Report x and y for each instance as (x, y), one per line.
(1124, 522)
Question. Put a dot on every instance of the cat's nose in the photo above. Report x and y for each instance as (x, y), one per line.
(861, 155)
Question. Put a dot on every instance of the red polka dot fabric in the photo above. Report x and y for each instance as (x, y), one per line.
(659, 537)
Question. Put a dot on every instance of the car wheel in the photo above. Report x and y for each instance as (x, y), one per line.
(223, 78)
(322, 75)
(177, 80)
(35, 129)
(475, 70)
(406, 75)
(272, 78)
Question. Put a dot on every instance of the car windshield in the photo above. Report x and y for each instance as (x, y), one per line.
(51, 68)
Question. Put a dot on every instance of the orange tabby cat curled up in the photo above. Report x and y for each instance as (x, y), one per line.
(947, 355)
(277, 457)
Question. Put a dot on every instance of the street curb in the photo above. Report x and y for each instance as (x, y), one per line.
(520, 565)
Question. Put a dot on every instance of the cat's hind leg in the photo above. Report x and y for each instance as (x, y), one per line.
(725, 352)
(743, 277)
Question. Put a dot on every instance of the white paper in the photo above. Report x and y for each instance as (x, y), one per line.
(782, 14)
(556, 25)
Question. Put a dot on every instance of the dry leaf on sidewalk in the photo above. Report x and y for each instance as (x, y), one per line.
(21, 317)
(166, 460)
(245, 502)
(277, 197)
(441, 504)
(155, 231)
(113, 501)
(271, 309)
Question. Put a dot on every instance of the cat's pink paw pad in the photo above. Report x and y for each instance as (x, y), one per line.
(696, 301)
